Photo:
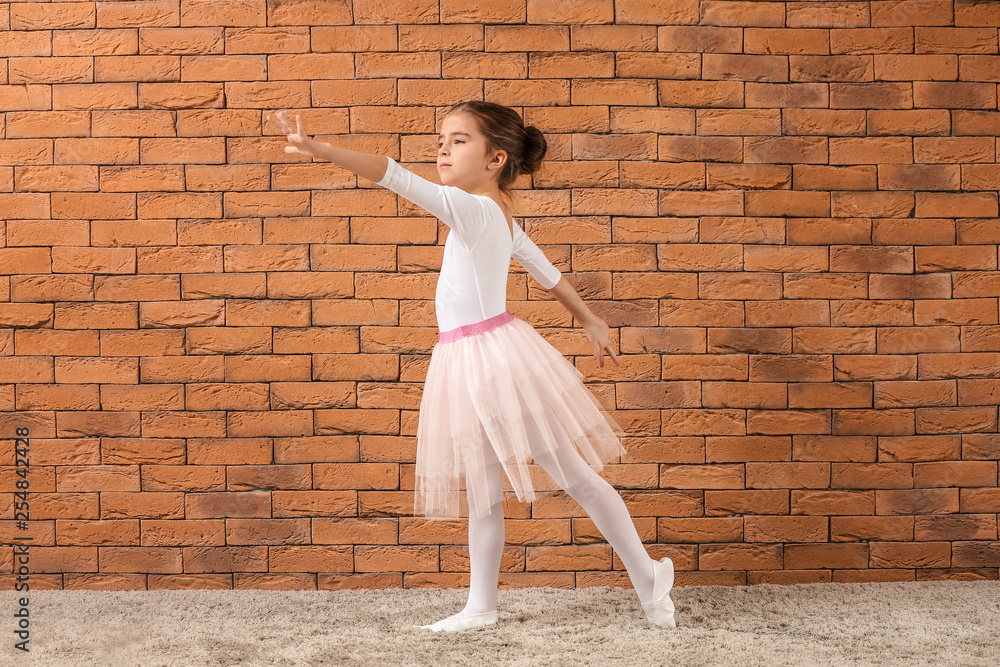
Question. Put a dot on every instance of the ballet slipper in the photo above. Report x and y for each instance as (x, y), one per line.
(660, 610)
(460, 622)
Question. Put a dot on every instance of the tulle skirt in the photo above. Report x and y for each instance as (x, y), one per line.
(498, 394)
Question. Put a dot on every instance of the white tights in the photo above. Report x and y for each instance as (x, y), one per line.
(599, 500)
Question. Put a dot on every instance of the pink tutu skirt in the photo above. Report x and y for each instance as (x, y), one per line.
(497, 393)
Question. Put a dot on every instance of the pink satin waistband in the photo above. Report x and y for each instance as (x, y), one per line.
(474, 328)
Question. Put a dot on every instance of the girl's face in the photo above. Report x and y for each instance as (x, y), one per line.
(461, 159)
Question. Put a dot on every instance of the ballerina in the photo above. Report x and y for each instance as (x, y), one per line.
(497, 395)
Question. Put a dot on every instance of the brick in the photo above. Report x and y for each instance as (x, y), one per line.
(728, 285)
(980, 446)
(975, 554)
(839, 556)
(833, 503)
(141, 343)
(954, 40)
(241, 40)
(699, 39)
(909, 554)
(842, 340)
(917, 501)
(953, 527)
(780, 422)
(144, 12)
(825, 68)
(687, 421)
(739, 557)
(747, 448)
(833, 231)
(954, 473)
(980, 500)
(919, 448)
(956, 420)
(680, 476)
(206, 340)
(743, 14)
(699, 530)
(950, 150)
(873, 422)
(829, 395)
(21, 369)
(787, 203)
(38, 342)
(833, 448)
(980, 339)
(137, 68)
(873, 576)
(795, 475)
(786, 529)
(35, 206)
(909, 340)
(874, 528)
(871, 40)
(513, 38)
(803, 312)
(954, 95)
(219, 396)
(824, 285)
(927, 286)
(112, 370)
(746, 502)
(787, 41)
(165, 40)
(876, 259)
(141, 397)
(872, 476)
(915, 393)
(907, 231)
(846, 150)
(907, 67)
(788, 95)
(791, 368)
(701, 313)
(66, 259)
(51, 288)
(179, 95)
(173, 369)
(823, 122)
(707, 149)
(975, 284)
(273, 368)
(743, 395)
(96, 315)
(77, 424)
(771, 150)
(875, 95)
(739, 67)
(48, 124)
(25, 98)
(700, 94)
(826, 15)
(36, 16)
(753, 340)
(860, 367)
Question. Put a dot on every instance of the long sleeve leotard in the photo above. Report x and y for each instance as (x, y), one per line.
(472, 285)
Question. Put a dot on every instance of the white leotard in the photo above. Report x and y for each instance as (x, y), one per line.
(472, 285)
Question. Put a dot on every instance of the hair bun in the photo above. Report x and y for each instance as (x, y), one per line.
(535, 147)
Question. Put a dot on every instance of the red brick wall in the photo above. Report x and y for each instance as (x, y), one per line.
(786, 211)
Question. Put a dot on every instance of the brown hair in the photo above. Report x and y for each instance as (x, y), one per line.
(505, 131)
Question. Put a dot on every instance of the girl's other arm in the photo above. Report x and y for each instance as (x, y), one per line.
(597, 329)
(365, 165)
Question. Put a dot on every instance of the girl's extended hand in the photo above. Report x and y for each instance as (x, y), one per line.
(599, 334)
(300, 142)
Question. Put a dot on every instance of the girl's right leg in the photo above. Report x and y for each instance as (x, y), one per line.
(486, 540)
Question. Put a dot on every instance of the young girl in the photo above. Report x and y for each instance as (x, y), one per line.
(497, 395)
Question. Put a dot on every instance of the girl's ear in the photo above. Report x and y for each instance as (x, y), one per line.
(499, 160)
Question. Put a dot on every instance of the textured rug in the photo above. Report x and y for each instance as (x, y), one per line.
(926, 623)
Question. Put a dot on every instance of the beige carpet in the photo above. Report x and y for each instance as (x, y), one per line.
(928, 623)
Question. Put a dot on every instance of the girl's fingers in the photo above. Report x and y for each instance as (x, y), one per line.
(298, 125)
(613, 356)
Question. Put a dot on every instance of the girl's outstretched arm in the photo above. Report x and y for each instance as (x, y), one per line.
(365, 165)
(597, 329)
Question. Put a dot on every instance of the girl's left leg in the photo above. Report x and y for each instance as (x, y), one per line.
(607, 510)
